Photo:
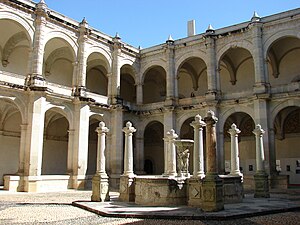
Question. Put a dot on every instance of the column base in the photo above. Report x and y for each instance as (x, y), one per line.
(194, 192)
(100, 188)
(212, 194)
(127, 188)
(261, 185)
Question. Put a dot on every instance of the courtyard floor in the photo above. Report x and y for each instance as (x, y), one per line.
(57, 208)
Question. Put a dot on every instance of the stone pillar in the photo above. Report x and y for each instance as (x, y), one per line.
(80, 67)
(235, 160)
(34, 143)
(22, 148)
(198, 157)
(80, 144)
(35, 80)
(100, 187)
(166, 150)
(127, 179)
(116, 145)
(212, 186)
(260, 177)
(171, 168)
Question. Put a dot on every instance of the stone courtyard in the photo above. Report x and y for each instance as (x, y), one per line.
(56, 208)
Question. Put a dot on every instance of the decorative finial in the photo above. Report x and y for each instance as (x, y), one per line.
(210, 29)
(255, 17)
(117, 36)
(170, 40)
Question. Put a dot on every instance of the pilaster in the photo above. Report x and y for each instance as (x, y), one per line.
(212, 88)
(80, 143)
(79, 81)
(258, 58)
(33, 141)
(35, 80)
(170, 76)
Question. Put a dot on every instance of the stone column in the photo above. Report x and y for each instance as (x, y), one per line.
(100, 187)
(212, 186)
(80, 67)
(260, 177)
(35, 80)
(116, 145)
(127, 179)
(198, 157)
(171, 170)
(166, 150)
(235, 160)
(22, 148)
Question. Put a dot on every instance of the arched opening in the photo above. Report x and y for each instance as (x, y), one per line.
(154, 89)
(58, 64)
(283, 63)
(55, 148)
(287, 138)
(192, 78)
(128, 92)
(236, 71)
(10, 121)
(96, 74)
(246, 139)
(154, 147)
(14, 45)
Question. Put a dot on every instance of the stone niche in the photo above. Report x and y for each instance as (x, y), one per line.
(160, 191)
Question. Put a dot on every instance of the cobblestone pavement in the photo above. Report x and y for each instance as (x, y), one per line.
(56, 208)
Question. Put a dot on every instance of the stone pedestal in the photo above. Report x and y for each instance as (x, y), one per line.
(195, 192)
(233, 190)
(260, 177)
(100, 188)
(212, 194)
(261, 185)
(127, 188)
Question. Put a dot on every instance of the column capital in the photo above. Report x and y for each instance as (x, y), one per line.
(258, 131)
(198, 122)
(234, 131)
(102, 129)
(171, 135)
(129, 129)
(210, 118)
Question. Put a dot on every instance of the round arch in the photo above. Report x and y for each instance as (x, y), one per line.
(106, 55)
(68, 39)
(151, 65)
(280, 106)
(226, 114)
(247, 45)
(17, 18)
(191, 54)
(277, 36)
